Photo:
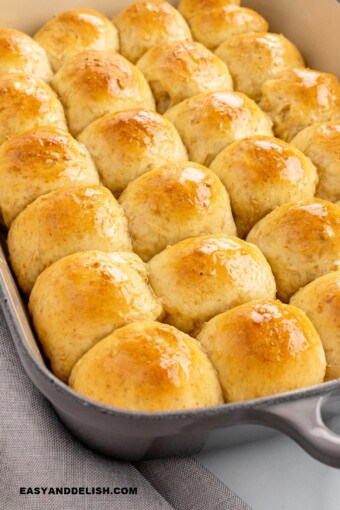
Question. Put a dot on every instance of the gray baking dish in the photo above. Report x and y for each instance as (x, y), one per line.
(132, 436)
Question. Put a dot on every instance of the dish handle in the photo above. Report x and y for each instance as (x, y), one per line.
(304, 421)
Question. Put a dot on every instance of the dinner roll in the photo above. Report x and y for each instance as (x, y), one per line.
(301, 241)
(223, 22)
(147, 366)
(174, 202)
(298, 98)
(180, 69)
(253, 58)
(94, 83)
(321, 143)
(189, 8)
(82, 298)
(71, 32)
(145, 24)
(25, 103)
(320, 300)
(19, 52)
(63, 222)
(263, 348)
(200, 277)
(209, 122)
(127, 144)
(39, 161)
(261, 173)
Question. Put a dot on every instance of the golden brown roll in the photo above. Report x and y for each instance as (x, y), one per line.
(298, 98)
(263, 348)
(71, 32)
(200, 277)
(20, 53)
(320, 300)
(210, 122)
(94, 83)
(25, 103)
(145, 24)
(125, 145)
(147, 366)
(261, 173)
(82, 298)
(180, 69)
(253, 58)
(321, 143)
(63, 222)
(301, 242)
(39, 161)
(189, 8)
(172, 203)
(223, 22)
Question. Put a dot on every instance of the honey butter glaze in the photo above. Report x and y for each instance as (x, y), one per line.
(210, 122)
(178, 70)
(167, 370)
(20, 53)
(263, 348)
(63, 222)
(200, 277)
(301, 241)
(224, 22)
(71, 32)
(320, 300)
(297, 98)
(39, 161)
(189, 8)
(127, 144)
(82, 298)
(321, 143)
(94, 302)
(25, 103)
(253, 58)
(174, 202)
(143, 25)
(261, 173)
(94, 83)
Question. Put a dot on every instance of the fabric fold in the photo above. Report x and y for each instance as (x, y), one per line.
(37, 453)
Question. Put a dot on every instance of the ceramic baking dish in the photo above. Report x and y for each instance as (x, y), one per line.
(305, 415)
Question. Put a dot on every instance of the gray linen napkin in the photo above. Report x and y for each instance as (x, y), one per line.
(37, 451)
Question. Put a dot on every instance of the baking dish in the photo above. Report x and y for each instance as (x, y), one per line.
(131, 435)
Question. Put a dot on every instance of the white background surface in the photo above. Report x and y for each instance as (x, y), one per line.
(276, 474)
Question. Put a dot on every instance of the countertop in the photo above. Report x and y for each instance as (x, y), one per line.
(276, 474)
